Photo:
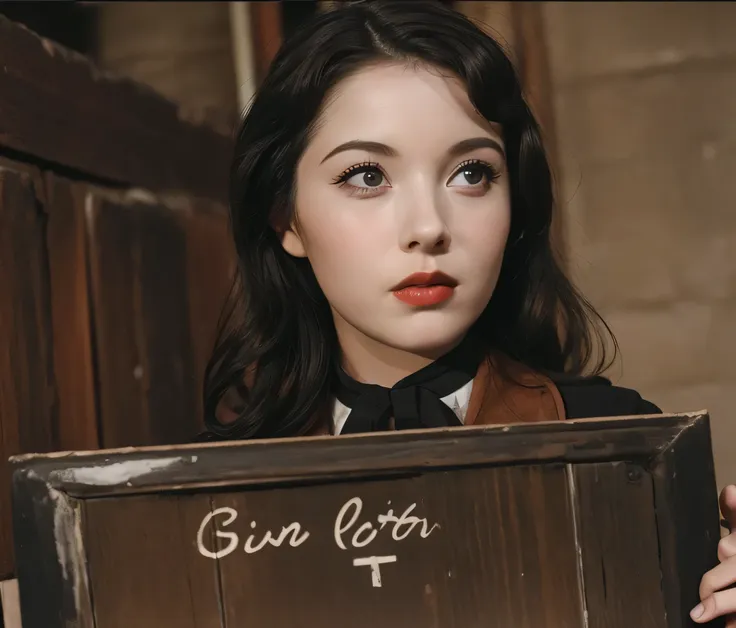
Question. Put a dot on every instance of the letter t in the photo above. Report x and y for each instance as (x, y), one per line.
(374, 562)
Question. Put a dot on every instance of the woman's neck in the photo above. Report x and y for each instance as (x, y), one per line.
(372, 362)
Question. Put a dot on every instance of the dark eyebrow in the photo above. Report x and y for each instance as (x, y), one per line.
(382, 149)
(473, 143)
(371, 147)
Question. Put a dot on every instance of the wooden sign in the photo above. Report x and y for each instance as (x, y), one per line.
(580, 524)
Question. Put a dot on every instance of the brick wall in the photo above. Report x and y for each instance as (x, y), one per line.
(645, 100)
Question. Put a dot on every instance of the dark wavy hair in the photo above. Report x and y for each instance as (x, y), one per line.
(277, 340)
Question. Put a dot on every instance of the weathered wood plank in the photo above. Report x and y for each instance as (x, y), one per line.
(58, 107)
(285, 460)
(71, 313)
(211, 262)
(492, 537)
(27, 386)
(153, 537)
(148, 388)
(619, 552)
(51, 564)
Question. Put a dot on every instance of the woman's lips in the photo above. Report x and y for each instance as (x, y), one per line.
(424, 295)
(424, 289)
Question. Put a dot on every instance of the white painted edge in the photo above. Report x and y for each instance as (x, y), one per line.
(115, 473)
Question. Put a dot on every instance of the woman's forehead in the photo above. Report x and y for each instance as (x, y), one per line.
(401, 100)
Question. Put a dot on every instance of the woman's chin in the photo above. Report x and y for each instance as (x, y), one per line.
(428, 340)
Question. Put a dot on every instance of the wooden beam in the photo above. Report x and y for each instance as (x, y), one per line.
(28, 400)
(532, 58)
(533, 63)
(267, 33)
(70, 301)
(240, 33)
(60, 109)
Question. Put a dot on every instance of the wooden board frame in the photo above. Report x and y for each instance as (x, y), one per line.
(49, 490)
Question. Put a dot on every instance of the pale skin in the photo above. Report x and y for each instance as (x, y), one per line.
(440, 203)
(404, 176)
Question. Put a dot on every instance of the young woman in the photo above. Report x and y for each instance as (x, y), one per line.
(391, 206)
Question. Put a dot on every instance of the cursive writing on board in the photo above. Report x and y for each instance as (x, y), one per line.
(291, 531)
(348, 533)
(402, 527)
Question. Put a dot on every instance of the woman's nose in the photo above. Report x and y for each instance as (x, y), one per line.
(424, 227)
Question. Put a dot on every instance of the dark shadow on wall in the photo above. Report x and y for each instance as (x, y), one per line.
(71, 24)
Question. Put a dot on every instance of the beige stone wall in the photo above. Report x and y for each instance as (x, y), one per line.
(645, 98)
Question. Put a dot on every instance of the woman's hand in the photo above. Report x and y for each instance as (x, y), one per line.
(716, 598)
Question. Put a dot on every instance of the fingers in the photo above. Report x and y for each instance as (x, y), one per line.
(727, 547)
(718, 604)
(727, 502)
(720, 577)
(717, 600)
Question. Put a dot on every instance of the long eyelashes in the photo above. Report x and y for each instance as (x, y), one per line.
(489, 172)
(357, 169)
(488, 175)
(366, 166)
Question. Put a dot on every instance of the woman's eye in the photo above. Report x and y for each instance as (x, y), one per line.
(366, 179)
(473, 175)
(371, 178)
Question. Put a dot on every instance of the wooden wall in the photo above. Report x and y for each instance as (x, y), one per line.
(115, 259)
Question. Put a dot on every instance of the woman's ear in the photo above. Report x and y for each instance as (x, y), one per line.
(292, 242)
(287, 229)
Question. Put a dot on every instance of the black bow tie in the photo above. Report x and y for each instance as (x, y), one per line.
(415, 402)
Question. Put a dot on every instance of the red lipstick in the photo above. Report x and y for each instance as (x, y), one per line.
(424, 289)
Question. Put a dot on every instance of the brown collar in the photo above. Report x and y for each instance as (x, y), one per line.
(504, 391)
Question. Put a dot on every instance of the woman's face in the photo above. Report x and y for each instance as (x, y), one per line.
(401, 177)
